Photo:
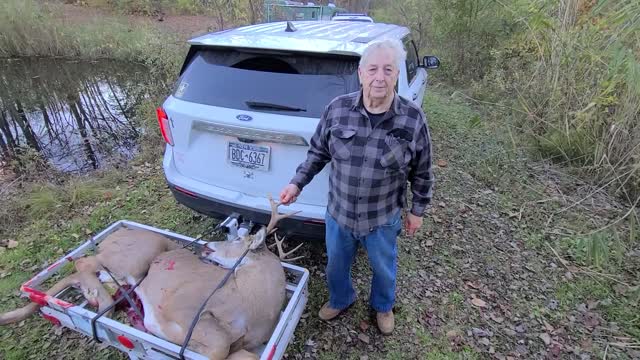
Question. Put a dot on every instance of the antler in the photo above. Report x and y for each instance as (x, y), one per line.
(283, 255)
(275, 217)
(271, 228)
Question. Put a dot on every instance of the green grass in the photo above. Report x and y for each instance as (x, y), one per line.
(63, 218)
(29, 28)
(623, 309)
(49, 217)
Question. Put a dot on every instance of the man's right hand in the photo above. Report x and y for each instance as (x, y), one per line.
(289, 194)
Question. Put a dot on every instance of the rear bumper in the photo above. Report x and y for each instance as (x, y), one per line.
(303, 228)
(219, 203)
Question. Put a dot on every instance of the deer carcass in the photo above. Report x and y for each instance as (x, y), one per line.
(239, 316)
(127, 253)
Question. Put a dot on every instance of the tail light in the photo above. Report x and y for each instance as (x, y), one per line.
(165, 128)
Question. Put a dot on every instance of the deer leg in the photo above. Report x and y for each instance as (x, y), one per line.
(88, 282)
(242, 355)
(210, 339)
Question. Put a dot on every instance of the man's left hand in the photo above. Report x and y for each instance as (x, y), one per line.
(412, 223)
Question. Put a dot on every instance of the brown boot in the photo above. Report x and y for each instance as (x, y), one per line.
(385, 322)
(327, 313)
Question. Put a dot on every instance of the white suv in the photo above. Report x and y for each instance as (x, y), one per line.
(246, 104)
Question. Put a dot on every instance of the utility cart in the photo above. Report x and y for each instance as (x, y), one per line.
(63, 310)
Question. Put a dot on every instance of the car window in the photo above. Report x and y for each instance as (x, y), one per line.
(240, 80)
(412, 59)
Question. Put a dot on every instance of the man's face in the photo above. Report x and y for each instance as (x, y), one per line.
(379, 74)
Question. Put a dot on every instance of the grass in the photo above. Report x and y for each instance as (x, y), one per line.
(49, 219)
(29, 28)
(620, 308)
(55, 219)
(146, 200)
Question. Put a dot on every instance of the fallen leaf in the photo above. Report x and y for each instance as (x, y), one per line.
(479, 302)
(442, 163)
(556, 350)
(480, 332)
(522, 328)
(472, 285)
(364, 325)
(484, 341)
(452, 334)
(310, 342)
(429, 243)
(364, 338)
(548, 327)
(546, 338)
(522, 350)
(12, 244)
(591, 320)
(496, 318)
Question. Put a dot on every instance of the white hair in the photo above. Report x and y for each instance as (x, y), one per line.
(394, 45)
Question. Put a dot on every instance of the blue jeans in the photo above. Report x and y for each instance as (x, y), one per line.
(342, 246)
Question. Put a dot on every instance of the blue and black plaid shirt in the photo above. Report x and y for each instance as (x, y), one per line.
(370, 167)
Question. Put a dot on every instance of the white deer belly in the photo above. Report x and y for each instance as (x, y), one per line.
(151, 318)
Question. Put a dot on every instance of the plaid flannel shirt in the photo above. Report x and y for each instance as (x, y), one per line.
(370, 167)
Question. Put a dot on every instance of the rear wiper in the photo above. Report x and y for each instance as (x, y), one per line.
(263, 105)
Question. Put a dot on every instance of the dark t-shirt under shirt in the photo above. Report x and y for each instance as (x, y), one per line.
(375, 118)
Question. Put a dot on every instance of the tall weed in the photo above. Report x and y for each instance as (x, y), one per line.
(28, 28)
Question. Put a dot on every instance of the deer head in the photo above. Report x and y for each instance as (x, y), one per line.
(226, 253)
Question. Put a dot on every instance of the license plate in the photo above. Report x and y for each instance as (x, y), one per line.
(249, 156)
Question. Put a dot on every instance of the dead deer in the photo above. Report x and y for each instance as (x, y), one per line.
(127, 253)
(239, 317)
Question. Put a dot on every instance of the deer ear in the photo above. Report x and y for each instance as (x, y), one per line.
(258, 238)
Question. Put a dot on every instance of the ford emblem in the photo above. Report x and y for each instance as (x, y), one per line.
(243, 117)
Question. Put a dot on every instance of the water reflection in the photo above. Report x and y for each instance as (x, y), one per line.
(76, 115)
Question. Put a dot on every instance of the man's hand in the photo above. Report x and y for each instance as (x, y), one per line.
(411, 224)
(289, 194)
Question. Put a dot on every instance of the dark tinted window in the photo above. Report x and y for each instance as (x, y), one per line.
(240, 80)
(412, 59)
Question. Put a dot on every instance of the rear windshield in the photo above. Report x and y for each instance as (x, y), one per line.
(291, 84)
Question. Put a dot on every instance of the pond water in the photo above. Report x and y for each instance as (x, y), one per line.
(76, 115)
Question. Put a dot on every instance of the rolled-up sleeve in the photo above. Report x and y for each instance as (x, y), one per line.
(421, 176)
(317, 156)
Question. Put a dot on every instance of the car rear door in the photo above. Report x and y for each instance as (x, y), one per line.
(242, 120)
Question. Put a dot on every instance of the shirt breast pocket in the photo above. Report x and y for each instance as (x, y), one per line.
(341, 142)
(395, 154)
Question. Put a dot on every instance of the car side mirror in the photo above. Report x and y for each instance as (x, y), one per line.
(431, 62)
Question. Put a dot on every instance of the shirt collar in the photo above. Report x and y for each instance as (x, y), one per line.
(395, 108)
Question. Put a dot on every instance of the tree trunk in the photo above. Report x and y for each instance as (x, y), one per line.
(6, 130)
(85, 138)
(254, 8)
(27, 131)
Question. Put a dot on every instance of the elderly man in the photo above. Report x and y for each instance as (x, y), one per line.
(375, 141)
